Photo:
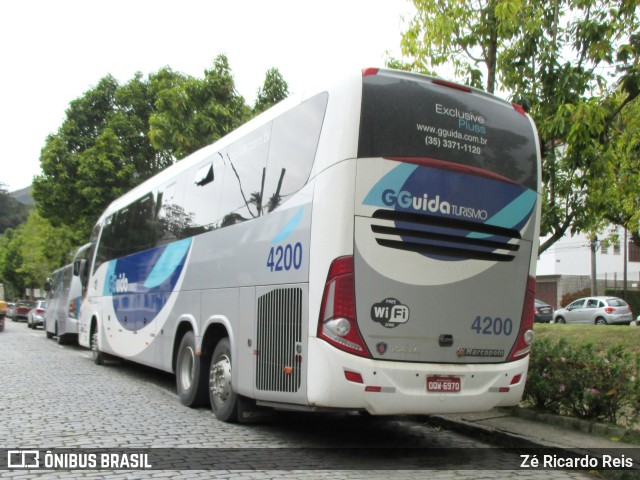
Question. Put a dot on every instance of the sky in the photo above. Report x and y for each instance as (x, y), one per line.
(54, 51)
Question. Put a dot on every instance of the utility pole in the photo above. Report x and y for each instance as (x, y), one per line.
(626, 252)
(594, 282)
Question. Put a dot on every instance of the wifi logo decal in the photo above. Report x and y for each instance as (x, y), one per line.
(390, 313)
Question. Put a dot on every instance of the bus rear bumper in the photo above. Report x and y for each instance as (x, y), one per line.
(340, 380)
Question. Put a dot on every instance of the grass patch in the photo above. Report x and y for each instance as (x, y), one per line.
(603, 337)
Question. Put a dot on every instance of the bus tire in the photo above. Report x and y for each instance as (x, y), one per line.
(98, 356)
(191, 378)
(224, 401)
(55, 331)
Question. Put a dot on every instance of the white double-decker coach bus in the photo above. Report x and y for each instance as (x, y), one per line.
(369, 246)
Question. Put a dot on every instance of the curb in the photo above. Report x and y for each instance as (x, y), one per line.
(577, 424)
(490, 435)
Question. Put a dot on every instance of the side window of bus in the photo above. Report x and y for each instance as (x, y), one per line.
(128, 231)
(120, 231)
(104, 253)
(95, 235)
(202, 193)
(244, 166)
(294, 141)
(169, 215)
(65, 283)
(142, 234)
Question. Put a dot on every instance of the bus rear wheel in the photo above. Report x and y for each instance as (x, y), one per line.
(191, 377)
(98, 356)
(224, 401)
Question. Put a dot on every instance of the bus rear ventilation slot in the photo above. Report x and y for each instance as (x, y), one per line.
(447, 237)
(444, 251)
(278, 365)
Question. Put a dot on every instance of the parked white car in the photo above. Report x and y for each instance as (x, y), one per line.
(595, 310)
(35, 317)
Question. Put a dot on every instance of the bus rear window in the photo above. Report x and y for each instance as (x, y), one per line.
(408, 116)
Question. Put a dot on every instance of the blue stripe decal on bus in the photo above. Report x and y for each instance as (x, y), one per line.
(289, 227)
(511, 215)
(394, 180)
(140, 284)
(167, 263)
(440, 193)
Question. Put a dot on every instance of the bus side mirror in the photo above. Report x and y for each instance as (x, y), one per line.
(78, 267)
(48, 284)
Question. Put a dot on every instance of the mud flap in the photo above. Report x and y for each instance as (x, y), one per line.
(249, 412)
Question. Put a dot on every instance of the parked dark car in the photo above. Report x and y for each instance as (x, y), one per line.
(542, 312)
(23, 307)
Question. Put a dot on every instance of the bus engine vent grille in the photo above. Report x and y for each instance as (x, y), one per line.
(444, 237)
(279, 340)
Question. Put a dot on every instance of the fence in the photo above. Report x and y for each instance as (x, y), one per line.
(615, 280)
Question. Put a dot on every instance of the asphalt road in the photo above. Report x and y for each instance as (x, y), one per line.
(53, 397)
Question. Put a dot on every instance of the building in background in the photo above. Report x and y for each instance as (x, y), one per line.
(565, 268)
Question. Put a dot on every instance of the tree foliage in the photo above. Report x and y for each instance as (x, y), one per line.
(573, 64)
(191, 113)
(273, 90)
(30, 252)
(116, 136)
(84, 165)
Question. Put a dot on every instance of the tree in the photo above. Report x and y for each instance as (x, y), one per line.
(10, 261)
(463, 35)
(61, 193)
(29, 253)
(116, 136)
(273, 90)
(113, 138)
(192, 113)
(574, 65)
(621, 176)
(43, 248)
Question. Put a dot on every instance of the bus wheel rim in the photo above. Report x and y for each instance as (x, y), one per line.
(186, 368)
(221, 379)
(94, 345)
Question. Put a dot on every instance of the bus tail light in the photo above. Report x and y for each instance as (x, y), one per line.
(523, 343)
(519, 109)
(337, 324)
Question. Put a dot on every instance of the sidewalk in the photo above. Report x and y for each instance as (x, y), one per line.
(528, 429)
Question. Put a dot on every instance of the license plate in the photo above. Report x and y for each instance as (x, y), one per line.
(443, 384)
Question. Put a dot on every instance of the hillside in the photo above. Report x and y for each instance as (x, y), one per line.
(24, 196)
